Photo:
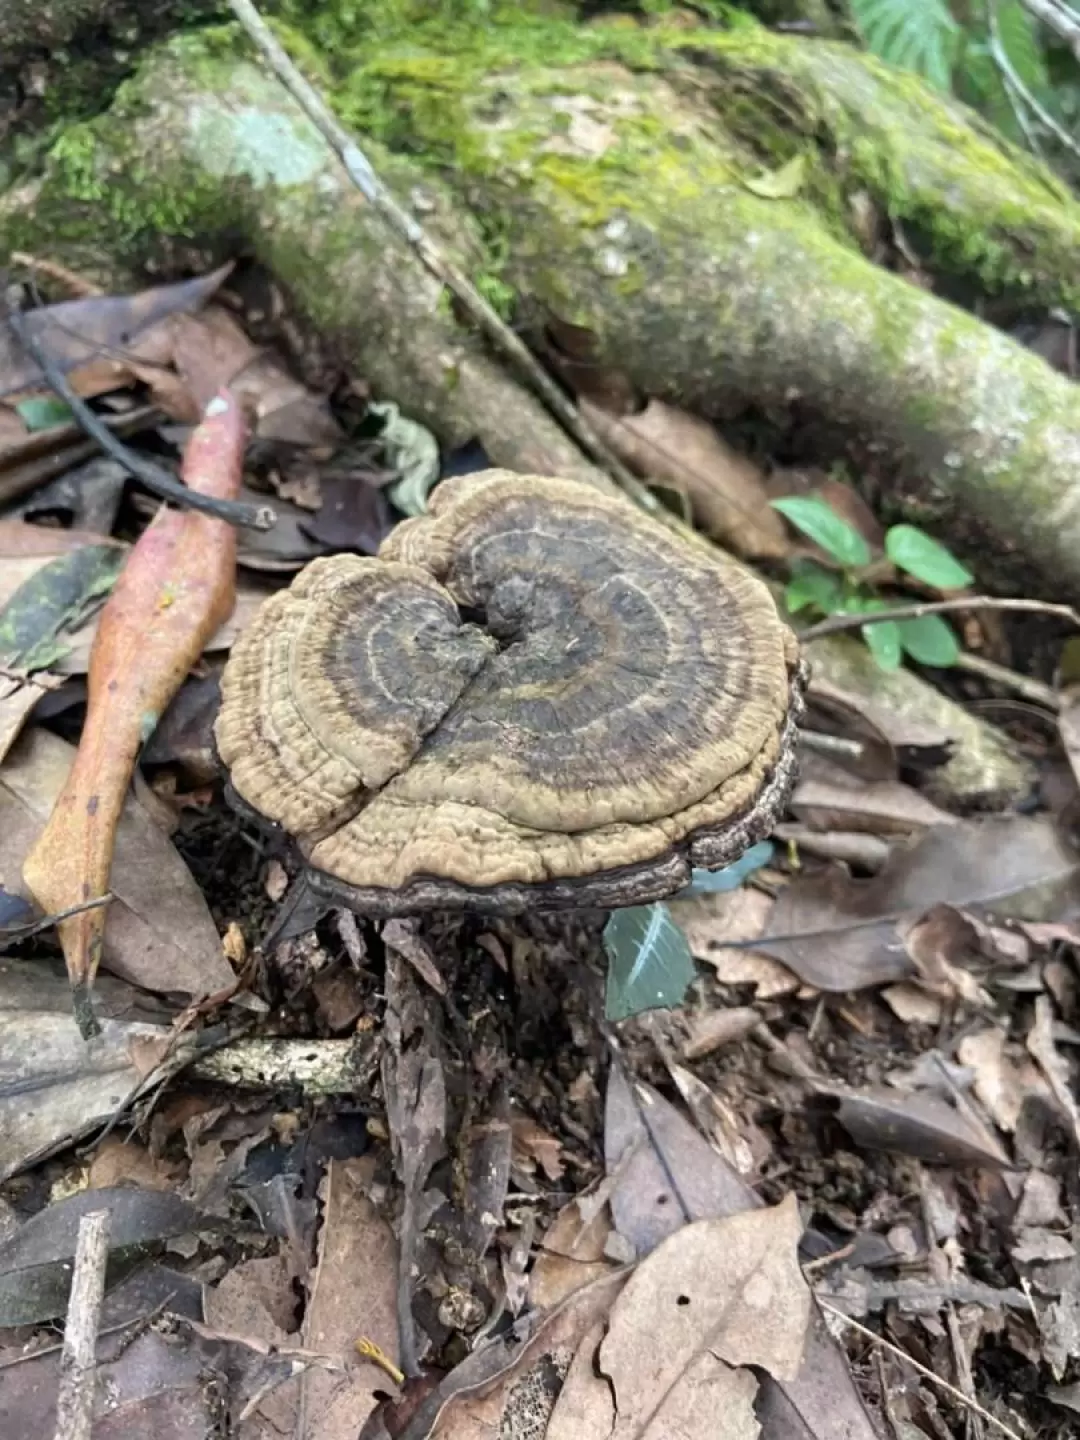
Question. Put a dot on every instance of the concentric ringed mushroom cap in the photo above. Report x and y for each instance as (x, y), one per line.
(535, 696)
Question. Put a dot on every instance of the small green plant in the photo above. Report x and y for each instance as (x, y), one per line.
(929, 639)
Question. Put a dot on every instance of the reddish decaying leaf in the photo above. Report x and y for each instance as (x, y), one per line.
(176, 589)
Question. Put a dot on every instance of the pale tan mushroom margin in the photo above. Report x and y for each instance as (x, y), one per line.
(534, 695)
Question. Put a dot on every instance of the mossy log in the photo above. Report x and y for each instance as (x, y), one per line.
(612, 184)
(606, 189)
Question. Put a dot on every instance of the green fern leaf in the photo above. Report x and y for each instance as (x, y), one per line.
(919, 35)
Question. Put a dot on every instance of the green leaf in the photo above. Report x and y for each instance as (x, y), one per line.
(42, 412)
(813, 586)
(921, 555)
(780, 184)
(930, 640)
(919, 35)
(715, 882)
(883, 640)
(413, 452)
(649, 961)
(822, 524)
(58, 597)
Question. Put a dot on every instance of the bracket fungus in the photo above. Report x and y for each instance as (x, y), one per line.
(534, 697)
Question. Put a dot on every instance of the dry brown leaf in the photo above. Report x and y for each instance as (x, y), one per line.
(912, 1005)
(726, 490)
(571, 1254)
(940, 944)
(159, 932)
(714, 924)
(710, 1030)
(76, 332)
(840, 934)
(665, 1174)
(1040, 1203)
(533, 1145)
(728, 1291)
(126, 1162)
(76, 1087)
(915, 1122)
(1001, 1081)
(491, 1394)
(1044, 1051)
(828, 798)
(354, 1296)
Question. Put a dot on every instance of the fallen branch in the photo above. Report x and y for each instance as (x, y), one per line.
(75, 1393)
(836, 623)
(154, 477)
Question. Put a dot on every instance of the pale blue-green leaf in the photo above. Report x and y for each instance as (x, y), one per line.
(930, 640)
(649, 961)
(911, 549)
(413, 452)
(826, 528)
(713, 882)
(42, 412)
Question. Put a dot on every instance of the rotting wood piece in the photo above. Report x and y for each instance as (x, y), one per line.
(534, 697)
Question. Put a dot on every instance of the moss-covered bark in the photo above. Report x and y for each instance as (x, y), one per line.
(606, 173)
(206, 150)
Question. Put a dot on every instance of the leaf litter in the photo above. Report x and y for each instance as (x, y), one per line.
(454, 1203)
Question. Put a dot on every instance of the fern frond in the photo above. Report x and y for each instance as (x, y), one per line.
(919, 35)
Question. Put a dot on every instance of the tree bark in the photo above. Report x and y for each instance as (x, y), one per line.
(619, 195)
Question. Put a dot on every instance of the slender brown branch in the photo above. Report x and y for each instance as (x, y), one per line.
(154, 477)
(958, 1395)
(78, 1359)
(836, 623)
(363, 176)
(14, 933)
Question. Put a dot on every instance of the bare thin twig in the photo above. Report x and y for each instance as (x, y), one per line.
(75, 1392)
(1060, 18)
(363, 176)
(10, 935)
(924, 1371)
(154, 477)
(1033, 690)
(835, 623)
(1014, 82)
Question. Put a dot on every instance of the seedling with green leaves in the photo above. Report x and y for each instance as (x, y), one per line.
(929, 639)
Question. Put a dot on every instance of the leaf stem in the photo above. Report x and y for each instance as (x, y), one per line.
(836, 623)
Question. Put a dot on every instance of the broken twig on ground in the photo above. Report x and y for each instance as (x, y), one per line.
(835, 623)
(75, 1393)
(154, 477)
(363, 176)
(923, 1370)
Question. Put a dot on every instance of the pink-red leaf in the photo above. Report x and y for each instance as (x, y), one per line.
(177, 588)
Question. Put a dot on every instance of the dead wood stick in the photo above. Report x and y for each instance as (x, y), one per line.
(835, 623)
(363, 176)
(155, 477)
(78, 1359)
